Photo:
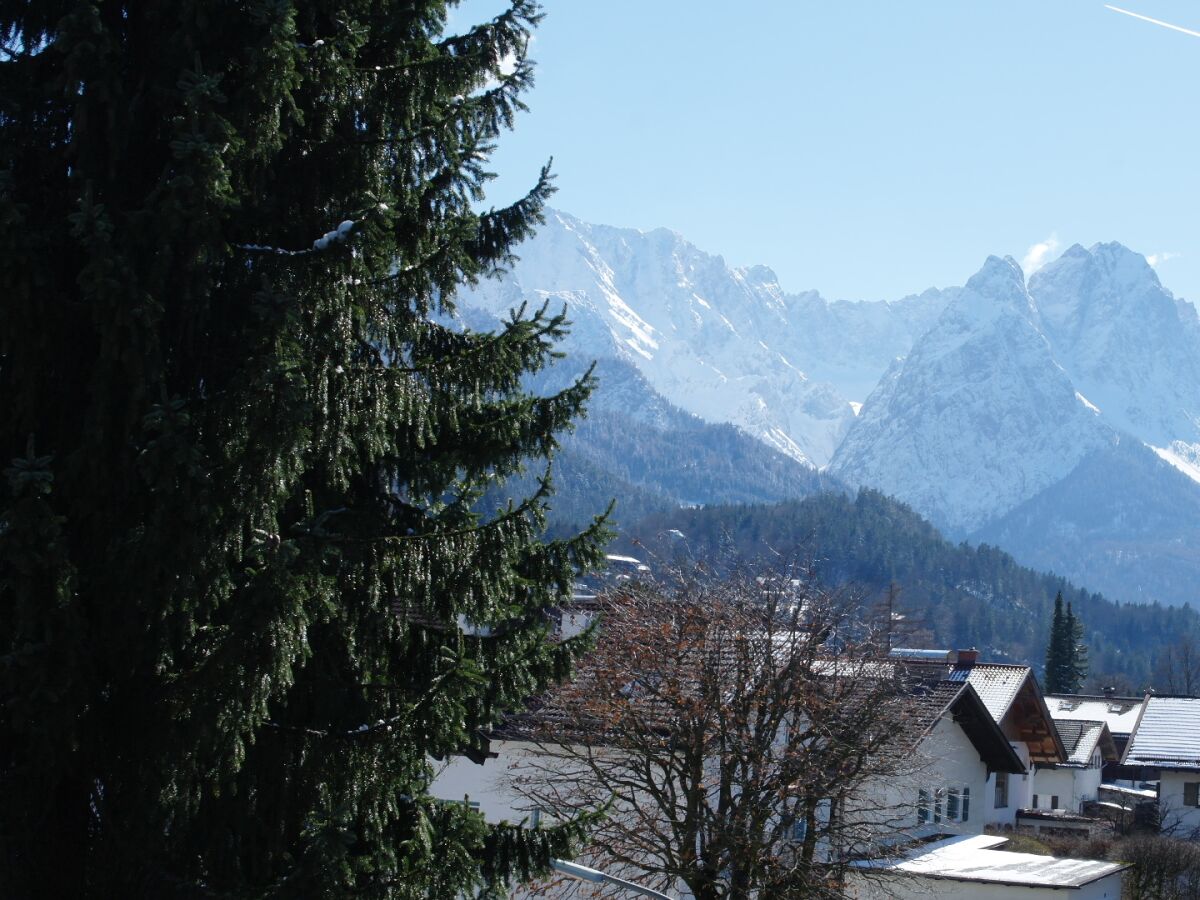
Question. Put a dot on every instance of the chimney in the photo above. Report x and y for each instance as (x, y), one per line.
(1109, 692)
(967, 657)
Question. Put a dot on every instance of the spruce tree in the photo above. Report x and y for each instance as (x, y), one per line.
(1057, 651)
(245, 596)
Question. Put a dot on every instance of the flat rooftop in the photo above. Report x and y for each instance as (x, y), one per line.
(973, 858)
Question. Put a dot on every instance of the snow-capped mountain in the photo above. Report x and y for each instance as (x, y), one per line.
(997, 410)
(723, 343)
(1131, 347)
(979, 416)
(1012, 388)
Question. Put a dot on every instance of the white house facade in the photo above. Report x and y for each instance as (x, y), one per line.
(1067, 786)
(1167, 737)
(1015, 702)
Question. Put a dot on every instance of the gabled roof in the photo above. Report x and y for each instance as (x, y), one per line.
(996, 683)
(1167, 734)
(1013, 698)
(1080, 739)
(958, 700)
(1121, 713)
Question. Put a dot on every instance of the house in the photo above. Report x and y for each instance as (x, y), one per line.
(954, 743)
(573, 617)
(1068, 785)
(1013, 698)
(1167, 737)
(959, 745)
(1120, 714)
(962, 744)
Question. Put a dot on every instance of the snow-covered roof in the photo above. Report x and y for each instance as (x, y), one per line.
(1009, 691)
(972, 858)
(1143, 793)
(996, 684)
(1167, 735)
(1080, 738)
(1120, 713)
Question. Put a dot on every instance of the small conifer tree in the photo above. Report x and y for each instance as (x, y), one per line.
(244, 596)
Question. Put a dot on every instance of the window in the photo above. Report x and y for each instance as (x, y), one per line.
(1001, 790)
(952, 804)
(1054, 801)
(1191, 793)
(1035, 801)
(799, 829)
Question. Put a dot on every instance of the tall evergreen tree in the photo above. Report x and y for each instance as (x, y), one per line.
(1058, 651)
(239, 558)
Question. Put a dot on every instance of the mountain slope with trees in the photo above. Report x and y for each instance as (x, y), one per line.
(650, 456)
(951, 595)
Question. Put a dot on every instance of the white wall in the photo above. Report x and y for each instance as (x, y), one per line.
(1182, 821)
(486, 784)
(1073, 787)
(1020, 791)
(574, 621)
(1048, 783)
(945, 759)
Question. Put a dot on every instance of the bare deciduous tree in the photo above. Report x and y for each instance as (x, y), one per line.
(1177, 670)
(746, 732)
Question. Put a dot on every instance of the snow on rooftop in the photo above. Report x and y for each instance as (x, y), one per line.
(1119, 713)
(972, 858)
(1168, 734)
(996, 684)
(1079, 737)
(1145, 793)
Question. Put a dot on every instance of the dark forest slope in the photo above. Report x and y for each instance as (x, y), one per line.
(952, 595)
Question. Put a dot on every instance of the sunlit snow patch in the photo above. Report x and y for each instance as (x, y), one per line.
(1188, 466)
(1088, 403)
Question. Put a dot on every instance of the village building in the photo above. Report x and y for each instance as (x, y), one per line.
(1167, 738)
(954, 737)
(1015, 702)
(1068, 785)
(963, 745)
(971, 868)
(1120, 714)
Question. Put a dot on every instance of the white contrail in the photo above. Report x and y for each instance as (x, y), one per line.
(1153, 21)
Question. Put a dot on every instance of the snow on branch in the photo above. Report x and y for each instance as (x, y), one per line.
(337, 235)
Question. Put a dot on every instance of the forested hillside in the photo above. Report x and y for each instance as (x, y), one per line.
(652, 457)
(951, 595)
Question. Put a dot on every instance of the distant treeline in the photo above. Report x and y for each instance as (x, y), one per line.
(951, 595)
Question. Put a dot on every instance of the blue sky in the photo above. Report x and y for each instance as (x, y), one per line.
(870, 149)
